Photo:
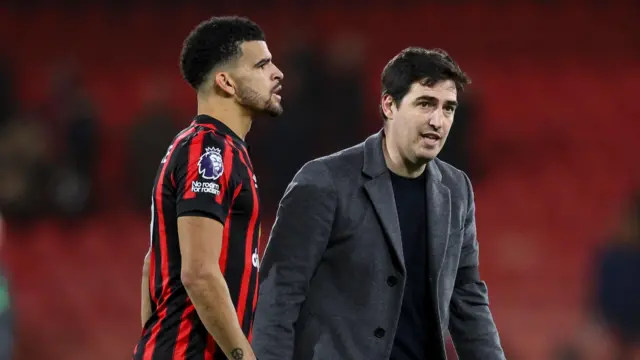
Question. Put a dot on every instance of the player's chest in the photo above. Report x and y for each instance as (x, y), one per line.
(246, 198)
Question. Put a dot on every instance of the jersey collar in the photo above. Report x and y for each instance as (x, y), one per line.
(219, 126)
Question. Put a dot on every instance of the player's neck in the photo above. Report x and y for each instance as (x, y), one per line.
(229, 113)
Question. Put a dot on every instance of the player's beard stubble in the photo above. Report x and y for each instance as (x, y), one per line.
(260, 104)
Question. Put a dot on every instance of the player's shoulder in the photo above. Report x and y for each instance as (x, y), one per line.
(205, 136)
(199, 140)
(199, 146)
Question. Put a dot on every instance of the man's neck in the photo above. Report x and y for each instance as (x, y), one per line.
(398, 164)
(228, 112)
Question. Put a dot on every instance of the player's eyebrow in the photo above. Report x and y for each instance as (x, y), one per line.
(262, 62)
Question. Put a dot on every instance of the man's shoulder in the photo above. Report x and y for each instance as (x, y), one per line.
(448, 171)
(345, 163)
(350, 156)
(452, 177)
(348, 159)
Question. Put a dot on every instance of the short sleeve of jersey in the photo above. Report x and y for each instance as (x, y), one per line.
(203, 176)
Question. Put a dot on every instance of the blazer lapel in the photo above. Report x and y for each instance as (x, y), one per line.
(380, 191)
(438, 219)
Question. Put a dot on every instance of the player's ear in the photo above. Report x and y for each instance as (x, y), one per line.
(225, 83)
(388, 106)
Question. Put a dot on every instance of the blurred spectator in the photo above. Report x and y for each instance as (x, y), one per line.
(279, 147)
(21, 159)
(149, 137)
(73, 124)
(6, 321)
(6, 316)
(458, 150)
(8, 102)
(344, 105)
(617, 298)
(323, 110)
(25, 171)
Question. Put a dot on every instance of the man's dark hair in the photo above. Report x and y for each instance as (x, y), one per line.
(215, 42)
(417, 64)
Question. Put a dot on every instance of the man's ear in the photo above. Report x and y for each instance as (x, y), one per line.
(224, 82)
(388, 106)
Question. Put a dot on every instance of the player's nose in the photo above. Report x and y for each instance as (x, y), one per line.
(277, 74)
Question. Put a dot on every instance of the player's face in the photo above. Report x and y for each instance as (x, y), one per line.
(259, 80)
(420, 124)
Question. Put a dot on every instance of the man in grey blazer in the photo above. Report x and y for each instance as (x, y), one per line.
(373, 254)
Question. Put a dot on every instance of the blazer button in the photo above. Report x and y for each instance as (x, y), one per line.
(392, 281)
(379, 333)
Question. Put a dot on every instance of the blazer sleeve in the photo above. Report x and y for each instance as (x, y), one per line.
(471, 325)
(297, 242)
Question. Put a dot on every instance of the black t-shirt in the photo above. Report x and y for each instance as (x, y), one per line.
(417, 334)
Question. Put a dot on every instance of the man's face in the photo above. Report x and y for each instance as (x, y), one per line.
(419, 125)
(258, 80)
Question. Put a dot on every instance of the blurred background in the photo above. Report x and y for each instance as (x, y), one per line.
(91, 94)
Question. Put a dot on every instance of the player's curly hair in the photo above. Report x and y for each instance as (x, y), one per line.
(215, 42)
(428, 66)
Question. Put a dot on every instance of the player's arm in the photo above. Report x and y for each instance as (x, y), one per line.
(200, 244)
(298, 240)
(204, 198)
(144, 289)
(471, 325)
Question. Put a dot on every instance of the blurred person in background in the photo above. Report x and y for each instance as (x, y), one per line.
(8, 101)
(313, 77)
(305, 74)
(617, 295)
(373, 254)
(25, 167)
(344, 90)
(6, 315)
(72, 119)
(24, 163)
(156, 117)
(200, 276)
(458, 151)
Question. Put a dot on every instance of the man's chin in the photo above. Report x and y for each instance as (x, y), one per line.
(428, 155)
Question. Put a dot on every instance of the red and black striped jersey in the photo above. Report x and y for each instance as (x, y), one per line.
(206, 171)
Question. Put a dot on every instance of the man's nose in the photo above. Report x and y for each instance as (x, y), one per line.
(436, 119)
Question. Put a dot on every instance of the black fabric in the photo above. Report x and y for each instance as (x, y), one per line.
(416, 337)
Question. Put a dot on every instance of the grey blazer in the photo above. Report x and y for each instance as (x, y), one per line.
(327, 280)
